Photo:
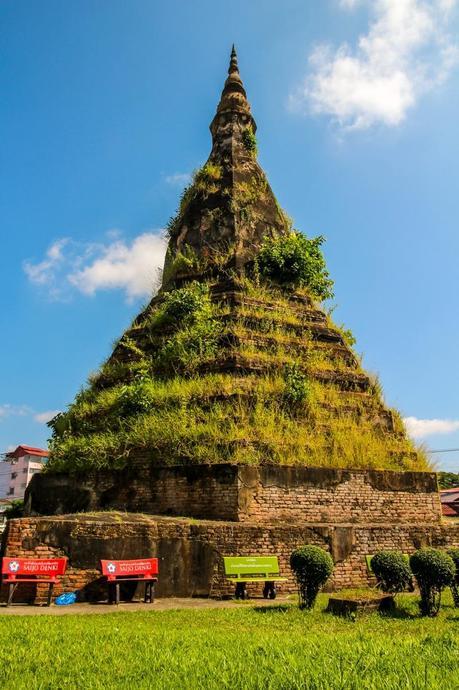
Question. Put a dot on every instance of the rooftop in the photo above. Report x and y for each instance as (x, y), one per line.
(27, 450)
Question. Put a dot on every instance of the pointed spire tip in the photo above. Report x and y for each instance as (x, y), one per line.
(233, 66)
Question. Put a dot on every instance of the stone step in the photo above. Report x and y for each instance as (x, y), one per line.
(299, 308)
(239, 364)
(313, 329)
(294, 344)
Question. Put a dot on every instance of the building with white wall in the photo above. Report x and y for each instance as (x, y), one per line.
(5, 476)
(22, 463)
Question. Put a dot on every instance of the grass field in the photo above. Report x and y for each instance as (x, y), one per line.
(243, 647)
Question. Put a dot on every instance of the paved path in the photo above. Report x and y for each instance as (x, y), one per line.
(158, 605)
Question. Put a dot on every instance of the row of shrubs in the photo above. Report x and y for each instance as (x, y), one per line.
(433, 570)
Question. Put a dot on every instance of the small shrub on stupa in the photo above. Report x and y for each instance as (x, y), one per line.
(250, 141)
(312, 566)
(295, 260)
(434, 570)
(135, 399)
(297, 389)
(392, 571)
(193, 337)
(185, 303)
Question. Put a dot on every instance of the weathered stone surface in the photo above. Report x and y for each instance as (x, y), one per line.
(191, 551)
(232, 216)
(342, 542)
(344, 607)
(205, 491)
(333, 495)
(267, 493)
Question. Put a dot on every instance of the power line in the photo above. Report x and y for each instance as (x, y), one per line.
(445, 450)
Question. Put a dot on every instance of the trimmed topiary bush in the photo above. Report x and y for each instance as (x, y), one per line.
(392, 571)
(434, 570)
(312, 566)
(454, 553)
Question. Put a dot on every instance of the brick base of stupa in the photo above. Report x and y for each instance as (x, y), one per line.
(190, 550)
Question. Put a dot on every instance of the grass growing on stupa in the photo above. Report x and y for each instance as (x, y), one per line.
(292, 398)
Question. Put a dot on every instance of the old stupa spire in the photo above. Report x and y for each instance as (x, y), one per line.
(229, 208)
(233, 58)
(234, 97)
(233, 67)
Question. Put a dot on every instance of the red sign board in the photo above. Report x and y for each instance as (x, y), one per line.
(141, 568)
(13, 568)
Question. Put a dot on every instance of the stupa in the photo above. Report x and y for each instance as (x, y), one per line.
(233, 416)
(231, 361)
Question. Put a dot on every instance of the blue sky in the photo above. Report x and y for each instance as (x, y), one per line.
(104, 113)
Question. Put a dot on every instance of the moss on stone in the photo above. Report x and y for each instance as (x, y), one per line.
(156, 392)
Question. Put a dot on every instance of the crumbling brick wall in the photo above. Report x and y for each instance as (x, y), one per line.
(271, 493)
(308, 494)
(191, 551)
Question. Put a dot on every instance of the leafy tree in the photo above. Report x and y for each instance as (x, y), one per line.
(448, 480)
(15, 510)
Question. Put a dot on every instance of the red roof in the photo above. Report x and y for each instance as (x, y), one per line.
(448, 510)
(449, 496)
(27, 450)
(450, 491)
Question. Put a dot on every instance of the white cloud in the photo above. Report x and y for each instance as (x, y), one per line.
(7, 410)
(42, 272)
(349, 4)
(44, 417)
(120, 266)
(406, 52)
(421, 428)
(178, 179)
(113, 265)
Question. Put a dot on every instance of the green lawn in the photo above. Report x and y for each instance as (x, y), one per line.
(241, 647)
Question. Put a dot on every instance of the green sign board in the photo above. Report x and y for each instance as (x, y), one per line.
(251, 566)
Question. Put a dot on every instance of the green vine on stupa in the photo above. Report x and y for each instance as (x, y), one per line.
(234, 360)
